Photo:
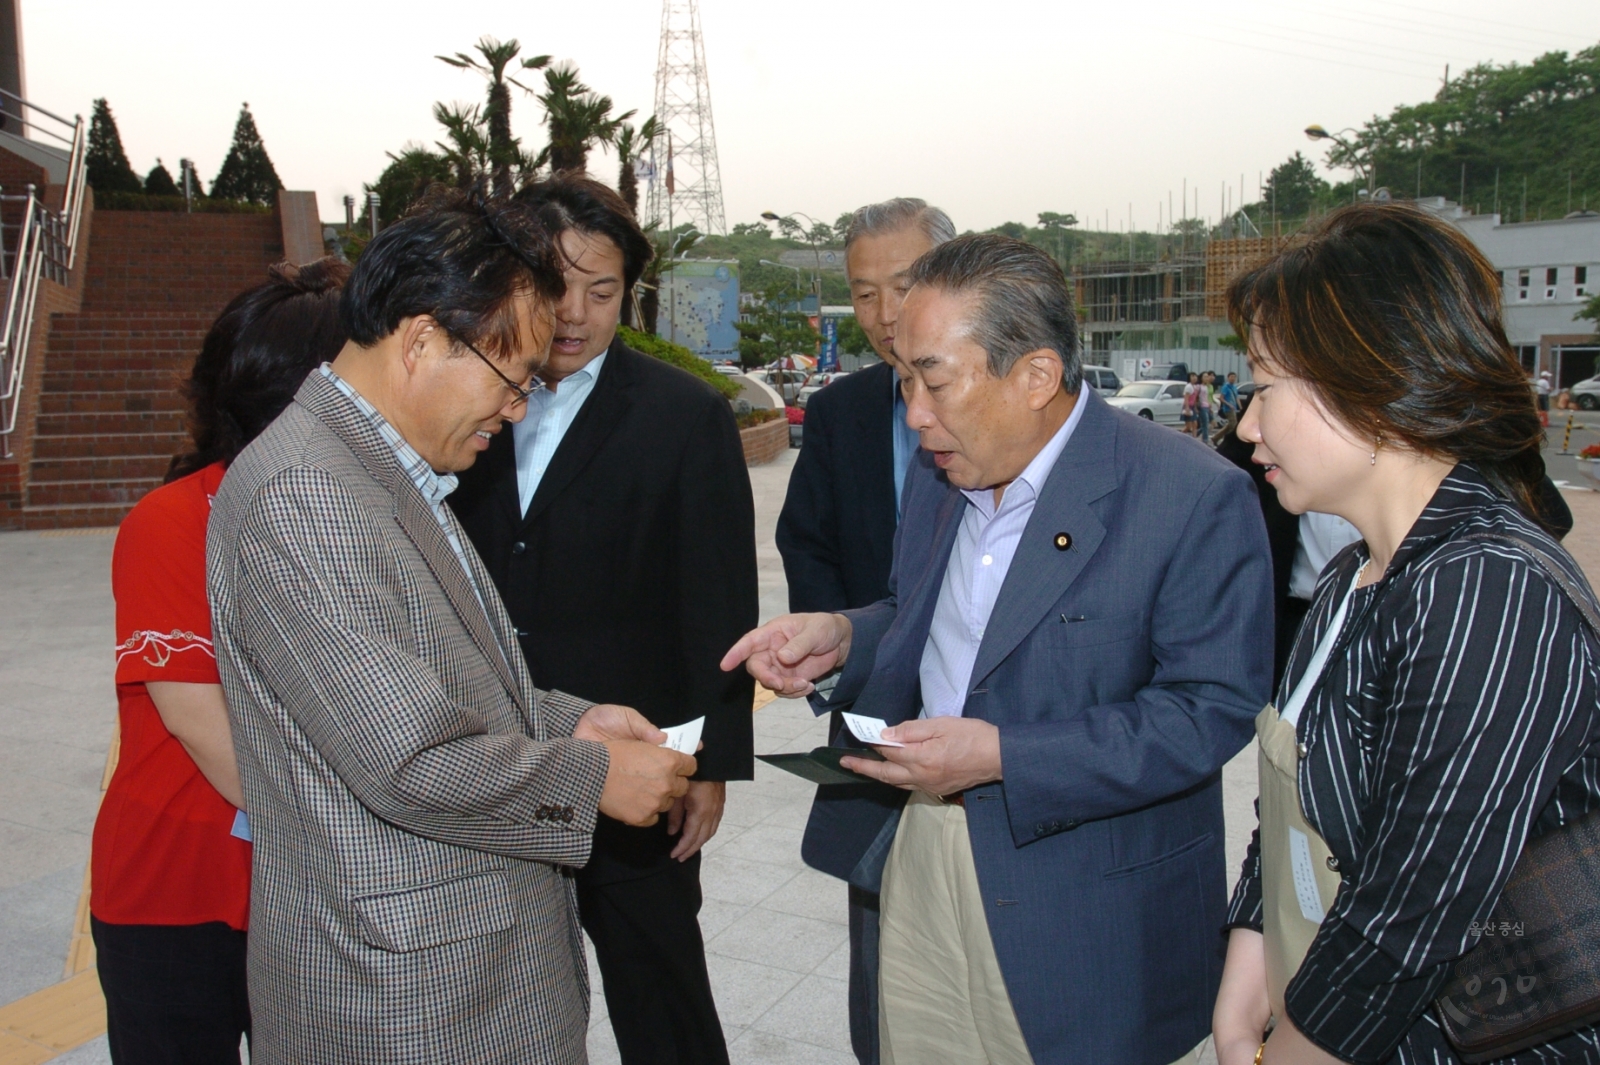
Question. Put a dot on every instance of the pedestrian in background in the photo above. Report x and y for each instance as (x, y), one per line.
(1191, 404)
(1227, 406)
(170, 873)
(1439, 707)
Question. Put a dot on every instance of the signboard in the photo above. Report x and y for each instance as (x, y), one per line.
(700, 307)
(830, 345)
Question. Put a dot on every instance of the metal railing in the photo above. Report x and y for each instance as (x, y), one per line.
(35, 241)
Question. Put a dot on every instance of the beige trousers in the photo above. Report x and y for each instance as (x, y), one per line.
(941, 996)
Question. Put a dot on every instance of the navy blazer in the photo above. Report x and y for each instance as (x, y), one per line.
(1122, 672)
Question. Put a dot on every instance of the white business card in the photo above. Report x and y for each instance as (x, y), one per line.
(869, 730)
(685, 738)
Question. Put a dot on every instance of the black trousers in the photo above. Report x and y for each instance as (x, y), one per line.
(646, 933)
(175, 994)
(864, 975)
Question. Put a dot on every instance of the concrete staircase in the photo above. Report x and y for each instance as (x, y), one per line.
(110, 413)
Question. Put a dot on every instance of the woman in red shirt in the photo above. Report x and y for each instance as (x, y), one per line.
(170, 891)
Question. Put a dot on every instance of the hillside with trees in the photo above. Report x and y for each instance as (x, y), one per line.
(1505, 128)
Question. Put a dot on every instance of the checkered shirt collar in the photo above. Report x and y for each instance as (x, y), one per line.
(434, 486)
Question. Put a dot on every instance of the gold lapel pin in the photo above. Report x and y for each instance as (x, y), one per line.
(1063, 541)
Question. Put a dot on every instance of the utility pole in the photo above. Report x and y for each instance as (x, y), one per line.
(683, 107)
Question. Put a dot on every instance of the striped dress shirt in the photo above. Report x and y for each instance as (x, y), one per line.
(979, 561)
(1456, 718)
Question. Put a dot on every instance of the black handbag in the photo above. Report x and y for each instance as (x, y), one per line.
(1534, 975)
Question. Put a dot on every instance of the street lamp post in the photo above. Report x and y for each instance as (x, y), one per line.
(1315, 132)
(811, 238)
(785, 266)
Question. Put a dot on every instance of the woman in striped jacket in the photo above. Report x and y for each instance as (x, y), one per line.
(1439, 708)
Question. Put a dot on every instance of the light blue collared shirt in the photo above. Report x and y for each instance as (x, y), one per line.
(906, 442)
(979, 562)
(551, 412)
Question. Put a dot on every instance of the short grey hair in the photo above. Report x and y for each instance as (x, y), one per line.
(1023, 301)
(891, 216)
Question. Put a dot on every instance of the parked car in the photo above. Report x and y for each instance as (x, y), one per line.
(787, 383)
(1158, 401)
(727, 369)
(1103, 379)
(1586, 394)
(805, 395)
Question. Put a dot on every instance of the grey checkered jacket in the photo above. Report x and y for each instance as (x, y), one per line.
(411, 794)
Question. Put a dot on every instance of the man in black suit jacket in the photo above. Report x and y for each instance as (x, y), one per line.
(836, 536)
(618, 524)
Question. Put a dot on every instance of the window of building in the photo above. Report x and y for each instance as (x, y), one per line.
(1522, 284)
(1551, 275)
(1580, 278)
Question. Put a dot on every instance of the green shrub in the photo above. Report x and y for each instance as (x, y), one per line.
(682, 358)
(139, 201)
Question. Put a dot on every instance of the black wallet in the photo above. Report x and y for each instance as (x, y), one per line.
(821, 766)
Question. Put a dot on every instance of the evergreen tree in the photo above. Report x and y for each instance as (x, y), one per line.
(247, 173)
(159, 182)
(105, 160)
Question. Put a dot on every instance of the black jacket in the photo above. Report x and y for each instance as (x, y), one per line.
(836, 531)
(634, 569)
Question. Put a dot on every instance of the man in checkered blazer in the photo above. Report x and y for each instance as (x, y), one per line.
(416, 804)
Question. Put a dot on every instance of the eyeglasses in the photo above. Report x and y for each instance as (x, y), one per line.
(523, 394)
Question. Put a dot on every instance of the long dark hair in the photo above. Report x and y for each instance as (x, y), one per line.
(256, 356)
(1393, 318)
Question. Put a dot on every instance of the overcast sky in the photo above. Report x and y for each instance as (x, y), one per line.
(995, 110)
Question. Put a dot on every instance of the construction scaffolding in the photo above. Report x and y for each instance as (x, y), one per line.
(1157, 292)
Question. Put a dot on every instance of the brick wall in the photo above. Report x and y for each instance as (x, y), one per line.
(765, 442)
(158, 262)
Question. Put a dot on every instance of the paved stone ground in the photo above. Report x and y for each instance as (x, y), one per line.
(775, 931)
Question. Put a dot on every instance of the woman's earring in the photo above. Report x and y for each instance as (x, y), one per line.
(1374, 458)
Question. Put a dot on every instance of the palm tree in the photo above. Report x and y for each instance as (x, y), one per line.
(577, 118)
(467, 153)
(629, 141)
(504, 151)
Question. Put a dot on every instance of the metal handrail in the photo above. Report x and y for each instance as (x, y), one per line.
(40, 244)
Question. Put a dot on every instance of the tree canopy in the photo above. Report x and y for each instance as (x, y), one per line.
(104, 159)
(1515, 126)
(247, 173)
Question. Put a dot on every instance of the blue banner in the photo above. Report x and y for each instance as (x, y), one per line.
(830, 345)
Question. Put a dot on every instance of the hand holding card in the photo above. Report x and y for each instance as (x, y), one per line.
(685, 738)
(869, 730)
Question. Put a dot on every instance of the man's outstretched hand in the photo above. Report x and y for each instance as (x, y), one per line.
(941, 756)
(788, 653)
(643, 779)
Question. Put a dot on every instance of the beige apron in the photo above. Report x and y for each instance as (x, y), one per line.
(1299, 875)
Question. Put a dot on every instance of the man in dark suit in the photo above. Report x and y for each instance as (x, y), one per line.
(836, 533)
(1078, 638)
(617, 521)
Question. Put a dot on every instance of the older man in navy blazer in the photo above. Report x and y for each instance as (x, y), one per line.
(1078, 637)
